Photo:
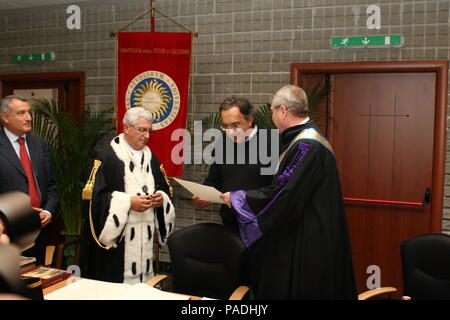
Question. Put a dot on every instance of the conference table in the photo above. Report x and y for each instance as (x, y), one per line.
(59, 285)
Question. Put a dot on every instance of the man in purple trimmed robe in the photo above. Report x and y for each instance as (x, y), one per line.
(296, 228)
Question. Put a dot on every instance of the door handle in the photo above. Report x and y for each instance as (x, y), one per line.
(426, 200)
(427, 196)
(382, 201)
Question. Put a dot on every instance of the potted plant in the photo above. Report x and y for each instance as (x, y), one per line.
(72, 143)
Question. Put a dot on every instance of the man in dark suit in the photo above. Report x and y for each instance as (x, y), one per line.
(234, 169)
(26, 166)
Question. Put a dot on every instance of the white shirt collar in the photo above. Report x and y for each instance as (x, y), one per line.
(304, 121)
(252, 134)
(12, 137)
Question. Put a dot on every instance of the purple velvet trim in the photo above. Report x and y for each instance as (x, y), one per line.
(287, 173)
(248, 225)
(289, 170)
(240, 204)
(250, 232)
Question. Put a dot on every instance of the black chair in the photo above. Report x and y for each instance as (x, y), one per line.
(426, 266)
(206, 261)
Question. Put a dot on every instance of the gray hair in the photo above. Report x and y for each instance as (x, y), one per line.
(7, 100)
(293, 98)
(133, 114)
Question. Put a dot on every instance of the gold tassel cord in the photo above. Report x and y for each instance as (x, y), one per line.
(163, 171)
(87, 195)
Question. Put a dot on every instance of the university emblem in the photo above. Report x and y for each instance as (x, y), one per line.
(156, 92)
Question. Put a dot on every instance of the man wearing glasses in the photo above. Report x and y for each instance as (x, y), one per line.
(296, 228)
(130, 205)
(232, 168)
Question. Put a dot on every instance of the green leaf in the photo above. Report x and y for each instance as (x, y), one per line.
(263, 117)
(212, 121)
(317, 90)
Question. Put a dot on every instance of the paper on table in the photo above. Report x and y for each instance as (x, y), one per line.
(87, 289)
(142, 291)
(207, 193)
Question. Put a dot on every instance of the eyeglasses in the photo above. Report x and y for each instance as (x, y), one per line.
(275, 108)
(232, 126)
(143, 130)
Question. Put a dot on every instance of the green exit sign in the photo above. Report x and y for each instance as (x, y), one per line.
(393, 41)
(45, 56)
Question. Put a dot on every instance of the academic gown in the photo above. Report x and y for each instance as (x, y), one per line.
(129, 234)
(296, 228)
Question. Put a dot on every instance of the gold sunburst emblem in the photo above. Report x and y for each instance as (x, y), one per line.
(154, 97)
(156, 92)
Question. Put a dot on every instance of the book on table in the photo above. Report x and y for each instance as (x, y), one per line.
(26, 263)
(48, 276)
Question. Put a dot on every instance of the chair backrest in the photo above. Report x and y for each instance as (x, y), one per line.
(426, 266)
(61, 260)
(205, 260)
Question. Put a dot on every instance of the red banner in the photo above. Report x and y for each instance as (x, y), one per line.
(153, 72)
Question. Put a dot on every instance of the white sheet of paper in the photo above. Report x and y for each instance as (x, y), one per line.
(142, 291)
(207, 193)
(87, 289)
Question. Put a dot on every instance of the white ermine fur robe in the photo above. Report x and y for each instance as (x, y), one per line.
(135, 228)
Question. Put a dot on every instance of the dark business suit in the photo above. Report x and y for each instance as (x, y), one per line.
(13, 178)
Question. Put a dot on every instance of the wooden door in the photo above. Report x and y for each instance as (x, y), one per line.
(383, 141)
(69, 87)
(388, 131)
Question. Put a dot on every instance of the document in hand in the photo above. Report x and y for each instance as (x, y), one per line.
(207, 193)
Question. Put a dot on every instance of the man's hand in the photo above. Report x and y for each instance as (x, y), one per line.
(46, 218)
(157, 199)
(226, 198)
(200, 203)
(141, 203)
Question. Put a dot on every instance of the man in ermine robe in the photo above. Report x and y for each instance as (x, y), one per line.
(131, 204)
